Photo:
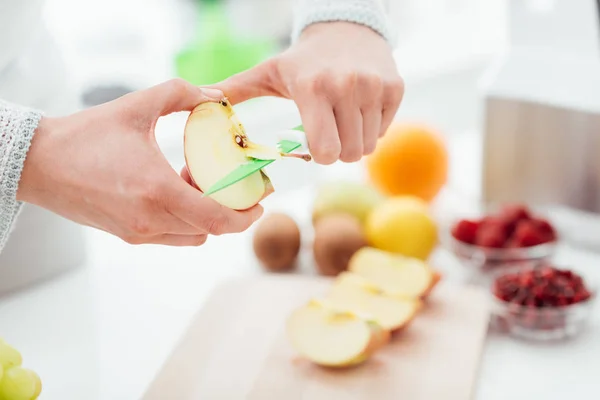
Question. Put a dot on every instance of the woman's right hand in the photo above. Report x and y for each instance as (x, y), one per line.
(102, 167)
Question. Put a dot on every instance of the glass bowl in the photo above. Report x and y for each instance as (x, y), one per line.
(542, 323)
(486, 260)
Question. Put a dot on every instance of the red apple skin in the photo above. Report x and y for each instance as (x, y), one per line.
(437, 277)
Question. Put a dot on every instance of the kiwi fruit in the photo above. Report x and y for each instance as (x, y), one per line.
(276, 242)
(337, 237)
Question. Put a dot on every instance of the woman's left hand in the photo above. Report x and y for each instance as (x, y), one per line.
(344, 81)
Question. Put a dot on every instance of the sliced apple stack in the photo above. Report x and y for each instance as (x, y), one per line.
(380, 294)
(332, 337)
(394, 274)
(215, 143)
(354, 293)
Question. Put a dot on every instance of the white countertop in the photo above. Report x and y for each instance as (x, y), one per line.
(102, 331)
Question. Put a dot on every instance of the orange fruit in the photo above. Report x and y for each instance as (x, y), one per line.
(411, 159)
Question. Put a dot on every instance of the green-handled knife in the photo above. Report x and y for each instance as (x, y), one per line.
(253, 165)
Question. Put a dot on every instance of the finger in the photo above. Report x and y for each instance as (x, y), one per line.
(178, 95)
(178, 240)
(393, 95)
(258, 81)
(175, 226)
(320, 128)
(371, 127)
(209, 216)
(350, 126)
(185, 174)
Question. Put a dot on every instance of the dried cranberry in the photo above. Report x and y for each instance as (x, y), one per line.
(533, 295)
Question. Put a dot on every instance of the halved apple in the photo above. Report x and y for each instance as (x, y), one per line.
(393, 273)
(215, 143)
(331, 337)
(354, 293)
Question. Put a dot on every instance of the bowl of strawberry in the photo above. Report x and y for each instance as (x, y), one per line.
(542, 302)
(509, 234)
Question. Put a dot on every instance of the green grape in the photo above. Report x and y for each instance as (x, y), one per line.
(9, 356)
(19, 384)
(1, 372)
(38, 385)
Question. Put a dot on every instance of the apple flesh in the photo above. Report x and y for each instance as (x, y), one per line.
(354, 293)
(394, 274)
(331, 337)
(215, 143)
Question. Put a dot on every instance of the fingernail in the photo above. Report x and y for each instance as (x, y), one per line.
(214, 94)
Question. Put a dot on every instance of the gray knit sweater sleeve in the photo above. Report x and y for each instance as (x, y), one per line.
(371, 13)
(17, 126)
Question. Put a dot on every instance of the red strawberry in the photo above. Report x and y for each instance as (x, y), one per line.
(491, 233)
(511, 215)
(526, 234)
(490, 238)
(512, 243)
(546, 229)
(514, 213)
(466, 230)
(496, 223)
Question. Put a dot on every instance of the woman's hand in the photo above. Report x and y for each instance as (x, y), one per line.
(344, 81)
(103, 168)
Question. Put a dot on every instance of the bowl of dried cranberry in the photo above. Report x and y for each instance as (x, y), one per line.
(502, 236)
(541, 302)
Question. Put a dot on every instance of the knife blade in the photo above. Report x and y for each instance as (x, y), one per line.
(245, 170)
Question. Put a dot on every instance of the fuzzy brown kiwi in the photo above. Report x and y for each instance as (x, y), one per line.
(337, 238)
(276, 242)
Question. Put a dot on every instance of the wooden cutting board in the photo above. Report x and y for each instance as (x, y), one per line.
(236, 348)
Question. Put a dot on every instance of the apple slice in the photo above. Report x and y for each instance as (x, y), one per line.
(331, 337)
(393, 273)
(354, 293)
(215, 143)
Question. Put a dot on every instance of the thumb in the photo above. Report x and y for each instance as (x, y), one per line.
(257, 81)
(178, 95)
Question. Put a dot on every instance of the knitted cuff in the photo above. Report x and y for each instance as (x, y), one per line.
(370, 13)
(17, 127)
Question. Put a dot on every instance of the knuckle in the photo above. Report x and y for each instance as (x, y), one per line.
(199, 240)
(271, 65)
(395, 90)
(309, 84)
(140, 227)
(371, 88)
(371, 80)
(132, 239)
(349, 80)
(217, 224)
(155, 195)
(178, 85)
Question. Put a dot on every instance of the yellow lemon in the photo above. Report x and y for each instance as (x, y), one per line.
(402, 225)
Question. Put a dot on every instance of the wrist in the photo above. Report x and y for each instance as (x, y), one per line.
(29, 186)
(368, 13)
(343, 29)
